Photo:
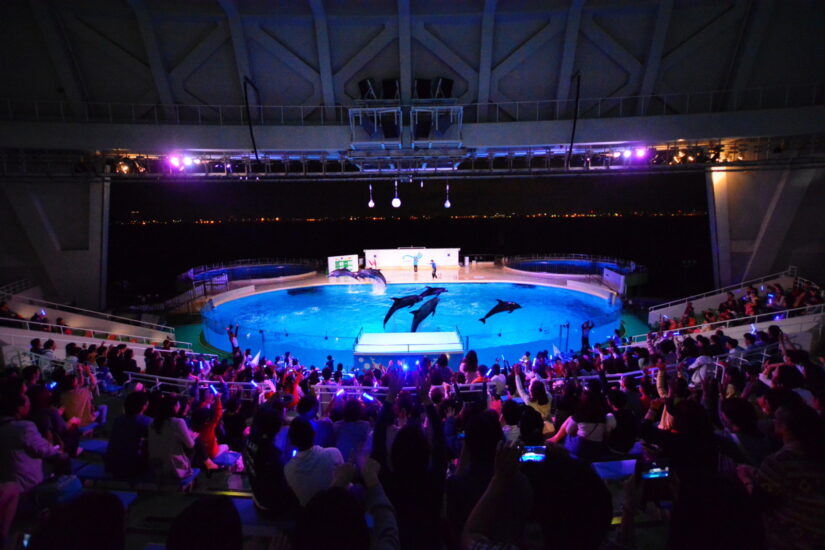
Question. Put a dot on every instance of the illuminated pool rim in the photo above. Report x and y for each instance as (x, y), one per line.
(274, 324)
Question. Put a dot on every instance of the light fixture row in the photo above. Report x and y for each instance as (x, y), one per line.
(396, 201)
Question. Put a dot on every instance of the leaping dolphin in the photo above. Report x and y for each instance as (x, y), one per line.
(398, 303)
(432, 291)
(509, 307)
(372, 274)
(428, 308)
(343, 272)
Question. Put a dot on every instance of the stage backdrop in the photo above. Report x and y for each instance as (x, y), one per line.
(403, 257)
(347, 261)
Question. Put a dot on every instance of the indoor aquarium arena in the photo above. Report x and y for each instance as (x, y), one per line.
(412, 275)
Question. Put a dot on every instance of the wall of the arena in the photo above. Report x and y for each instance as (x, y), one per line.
(764, 221)
(160, 138)
(55, 231)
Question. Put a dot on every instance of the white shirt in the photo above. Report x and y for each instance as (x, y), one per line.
(589, 430)
(311, 471)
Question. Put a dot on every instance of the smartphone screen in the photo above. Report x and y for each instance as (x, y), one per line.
(656, 472)
(533, 453)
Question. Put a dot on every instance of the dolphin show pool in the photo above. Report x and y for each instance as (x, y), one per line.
(315, 321)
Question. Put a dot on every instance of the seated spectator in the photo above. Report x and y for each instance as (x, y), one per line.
(344, 526)
(324, 431)
(742, 440)
(50, 422)
(531, 427)
(510, 417)
(76, 400)
(584, 434)
(209, 523)
(311, 469)
(537, 398)
(22, 448)
(7, 313)
(788, 484)
(234, 425)
(205, 421)
(170, 441)
(264, 463)
(622, 437)
(126, 454)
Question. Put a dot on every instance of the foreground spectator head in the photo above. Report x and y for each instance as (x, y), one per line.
(410, 452)
(93, 521)
(209, 523)
(307, 406)
(301, 434)
(511, 412)
(136, 403)
(483, 434)
(267, 421)
(334, 518)
(801, 423)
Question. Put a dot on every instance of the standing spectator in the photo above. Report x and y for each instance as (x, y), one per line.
(352, 433)
(264, 463)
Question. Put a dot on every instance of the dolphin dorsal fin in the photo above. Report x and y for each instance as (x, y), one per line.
(500, 301)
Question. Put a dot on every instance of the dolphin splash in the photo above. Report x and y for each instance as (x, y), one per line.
(398, 303)
(428, 308)
(509, 307)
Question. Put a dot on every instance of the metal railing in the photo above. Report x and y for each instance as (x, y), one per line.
(201, 289)
(89, 313)
(317, 115)
(790, 272)
(79, 332)
(799, 313)
(630, 265)
(190, 274)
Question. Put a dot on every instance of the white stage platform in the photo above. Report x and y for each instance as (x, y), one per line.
(402, 343)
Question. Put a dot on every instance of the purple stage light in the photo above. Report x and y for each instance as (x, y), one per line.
(174, 161)
(640, 153)
(626, 153)
(187, 161)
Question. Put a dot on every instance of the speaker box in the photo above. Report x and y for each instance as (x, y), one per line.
(389, 126)
(423, 125)
(442, 87)
(390, 89)
(367, 89)
(423, 88)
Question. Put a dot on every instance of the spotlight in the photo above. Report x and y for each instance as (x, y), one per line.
(447, 202)
(187, 161)
(396, 202)
(626, 153)
(641, 152)
(371, 204)
(422, 184)
(174, 161)
(617, 154)
(122, 167)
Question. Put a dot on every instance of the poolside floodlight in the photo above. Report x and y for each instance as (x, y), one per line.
(174, 161)
(640, 153)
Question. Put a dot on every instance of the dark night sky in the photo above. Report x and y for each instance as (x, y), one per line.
(170, 198)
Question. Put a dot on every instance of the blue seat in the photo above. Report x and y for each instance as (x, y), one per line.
(227, 459)
(126, 497)
(615, 469)
(96, 446)
(94, 472)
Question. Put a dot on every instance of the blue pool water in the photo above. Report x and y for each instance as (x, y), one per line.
(570, 267)
(244, 273)
(313, 321)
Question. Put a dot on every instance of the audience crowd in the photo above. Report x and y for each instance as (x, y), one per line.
(728, 437)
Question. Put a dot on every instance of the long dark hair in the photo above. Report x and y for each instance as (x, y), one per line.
(165, 410)
(592, 407)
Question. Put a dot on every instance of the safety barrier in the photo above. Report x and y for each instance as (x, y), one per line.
(79, 332)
